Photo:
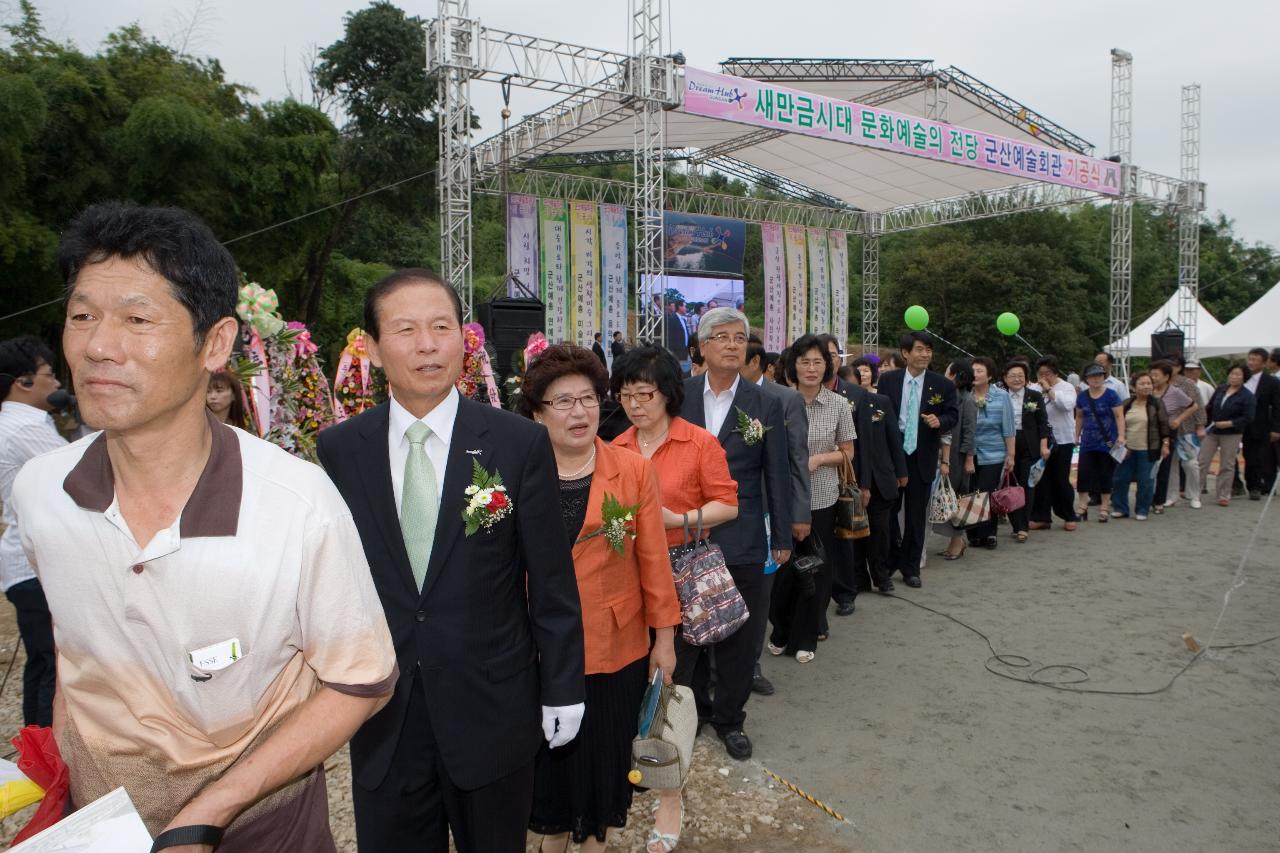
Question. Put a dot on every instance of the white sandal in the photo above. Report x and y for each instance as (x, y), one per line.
(665, 843)
(805, 657)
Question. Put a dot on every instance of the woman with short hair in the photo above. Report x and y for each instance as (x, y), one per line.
(625, 585)
(1099, 428)
(1181, 410)
(993, 443)
(1231, 410)
(693, 478)
(865, 372)
(1146, 426)
(956, 460)
(1030, 441)
(797, 607)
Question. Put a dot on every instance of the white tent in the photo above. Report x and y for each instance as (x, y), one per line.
(1140, 336)
(1256, 326)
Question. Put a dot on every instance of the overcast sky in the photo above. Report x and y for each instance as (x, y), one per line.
(1054, 57)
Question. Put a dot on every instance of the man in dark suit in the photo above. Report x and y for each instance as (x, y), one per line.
(598, 349)
(1264, 430)
(927, 409)
(484, 614)
(722, 403)
(675, 335)
(1032, 439)
(796, 419)
(617, 347)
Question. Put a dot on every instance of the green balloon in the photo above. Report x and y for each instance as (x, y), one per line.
(1008, 323)
(916, 318)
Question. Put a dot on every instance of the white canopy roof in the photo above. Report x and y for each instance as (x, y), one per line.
(1256, 326)
(1140, 336)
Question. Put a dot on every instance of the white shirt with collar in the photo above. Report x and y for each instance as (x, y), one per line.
(25, 433)
(907, 379)
(715, 407)
(1018, 398)
(440, 420)
(1118, 386)
(1252, 384)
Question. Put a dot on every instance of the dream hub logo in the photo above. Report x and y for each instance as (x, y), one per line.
(720, 94)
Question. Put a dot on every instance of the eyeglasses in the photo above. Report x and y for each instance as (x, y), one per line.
(723, 338)
(811, 362)
(564, 404)
(637, 396)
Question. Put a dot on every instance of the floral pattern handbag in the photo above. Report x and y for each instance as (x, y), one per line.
(711, 608)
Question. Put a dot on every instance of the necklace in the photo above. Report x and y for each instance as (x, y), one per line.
(647, 444)
(574, 475)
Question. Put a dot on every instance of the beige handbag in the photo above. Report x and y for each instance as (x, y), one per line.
(661, 759)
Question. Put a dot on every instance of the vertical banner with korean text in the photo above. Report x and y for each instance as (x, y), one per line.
(553, 222)
(819, 283)
(775, 287)
(797, 280)
(838, 263)
(522, 243)
(584, 298)
(613, 269)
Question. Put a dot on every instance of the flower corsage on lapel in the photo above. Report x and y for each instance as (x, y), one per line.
(1030, 406)
(751, 428)
(619, 524)
(877, 415)
(487, 501)
(935, 400)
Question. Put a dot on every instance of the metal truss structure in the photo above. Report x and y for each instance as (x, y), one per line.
(1189, 219)
(870, 290)
(1122, 207)
(604, 89)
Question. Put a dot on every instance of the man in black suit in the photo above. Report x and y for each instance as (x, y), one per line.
(675, 336)
(796, 419)
(617, 347)
(927, 409)
(720, 402)
(598, 349)
(1264, 430)
(1031, 441)
(484, 615)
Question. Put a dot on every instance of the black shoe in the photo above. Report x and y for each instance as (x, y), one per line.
(761, 685)
(887, 585)
(913, 582)
(736, 743)
(844, 608)
(1255, 496)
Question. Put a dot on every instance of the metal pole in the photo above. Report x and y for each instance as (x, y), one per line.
(451, 55)
(652, 85)
(1189, 220)
(1122, 207)
(870, 284)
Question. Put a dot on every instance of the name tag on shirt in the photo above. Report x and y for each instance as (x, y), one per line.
(217, 656)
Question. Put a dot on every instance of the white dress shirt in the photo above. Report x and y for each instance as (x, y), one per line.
(440, 420)
(715, 407)
(1062, 412)
(1118, 386)
(25, 433)
(1016, 398)
(906, 397)
(1252, 384)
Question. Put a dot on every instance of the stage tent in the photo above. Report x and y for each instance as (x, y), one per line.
(1140, 337)
(1256, 326)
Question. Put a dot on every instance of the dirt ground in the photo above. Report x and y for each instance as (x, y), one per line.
(897, 726)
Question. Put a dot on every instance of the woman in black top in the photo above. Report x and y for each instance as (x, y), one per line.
(1230, 412)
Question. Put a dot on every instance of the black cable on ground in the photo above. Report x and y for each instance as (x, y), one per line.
(1072, 674)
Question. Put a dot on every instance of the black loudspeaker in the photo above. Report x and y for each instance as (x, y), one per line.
(1167, 343)
(508, 322)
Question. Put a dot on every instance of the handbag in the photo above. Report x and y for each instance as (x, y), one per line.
(851, 515)
(943, 504)
(662, 749)
(1010, 497)
(807, 559)
(711, 608)
(973, 508)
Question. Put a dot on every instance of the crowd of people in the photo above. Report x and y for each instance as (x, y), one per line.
(477, 601)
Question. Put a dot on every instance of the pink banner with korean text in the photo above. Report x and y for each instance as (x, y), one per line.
(775, 286)
(819, 283)
(764, 104)
(522, 243)
(613, 269)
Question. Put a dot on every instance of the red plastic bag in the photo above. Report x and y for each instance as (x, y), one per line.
(39, 759)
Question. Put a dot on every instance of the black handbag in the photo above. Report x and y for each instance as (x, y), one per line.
(807, 558)
(851, 515)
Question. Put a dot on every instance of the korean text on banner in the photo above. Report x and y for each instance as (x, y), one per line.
(797, 280)
(775, 287)
(554, 228)
(764, 104)
(819, 283)
(584, 300)
(613, 269)
(522, 243)
(838, 264)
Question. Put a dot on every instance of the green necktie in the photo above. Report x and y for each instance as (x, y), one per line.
(419, 504)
